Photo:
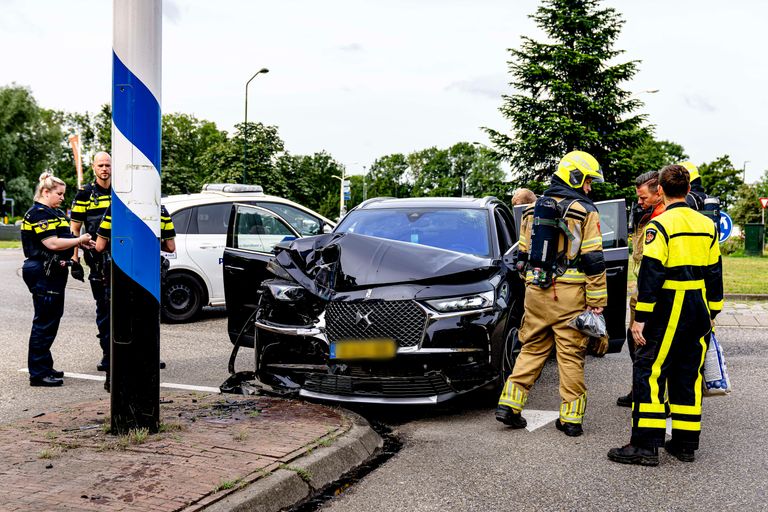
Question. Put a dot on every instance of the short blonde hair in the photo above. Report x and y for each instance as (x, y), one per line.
(47, 181)
(523, 196)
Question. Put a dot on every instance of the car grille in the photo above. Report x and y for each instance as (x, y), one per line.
(400, 320)
(393, 387)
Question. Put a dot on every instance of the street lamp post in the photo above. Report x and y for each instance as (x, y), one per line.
(744, 171)
(245, 126)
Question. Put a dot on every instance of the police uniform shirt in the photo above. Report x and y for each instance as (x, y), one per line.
(167, 230)
(90, 205)
(42, 222)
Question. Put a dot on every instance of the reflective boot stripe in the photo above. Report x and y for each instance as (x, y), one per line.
(694, 426)
(651, 423)
(513, 396)
(573, 412)
(685, 409)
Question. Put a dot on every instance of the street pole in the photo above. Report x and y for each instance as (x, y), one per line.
(245, 126)
(135, 245)
(365, 184)
(744, 172)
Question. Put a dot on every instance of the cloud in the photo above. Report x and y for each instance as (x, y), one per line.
(171, 11)
(490, 86)
(351, 47)
(699, 103)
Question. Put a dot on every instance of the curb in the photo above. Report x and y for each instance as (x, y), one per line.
(306, 477)
(746, 296)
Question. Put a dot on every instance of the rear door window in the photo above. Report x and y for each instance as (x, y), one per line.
(211, 219)
(181, 220)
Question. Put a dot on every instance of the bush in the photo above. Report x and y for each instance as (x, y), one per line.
(732, 247)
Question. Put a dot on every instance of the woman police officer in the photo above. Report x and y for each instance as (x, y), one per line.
(48, 245)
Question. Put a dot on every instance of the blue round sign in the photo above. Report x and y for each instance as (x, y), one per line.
(726, 226)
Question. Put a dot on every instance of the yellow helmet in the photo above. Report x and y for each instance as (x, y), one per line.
(576, 166)
(693, 171)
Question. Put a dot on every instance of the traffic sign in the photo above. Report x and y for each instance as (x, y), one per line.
(726, 226)
(764, 202)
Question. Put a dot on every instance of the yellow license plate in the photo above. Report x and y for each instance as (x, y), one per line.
(364, 349)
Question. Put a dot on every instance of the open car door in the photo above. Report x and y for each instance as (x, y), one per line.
(614, 228)
(252, 234)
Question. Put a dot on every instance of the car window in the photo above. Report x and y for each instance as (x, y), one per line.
(304, 223)
(257, 230)
(212, 218)
(503, 230)
(181, 220)
(613, 219)
(456, 229)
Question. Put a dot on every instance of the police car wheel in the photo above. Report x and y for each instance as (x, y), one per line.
(182, 298)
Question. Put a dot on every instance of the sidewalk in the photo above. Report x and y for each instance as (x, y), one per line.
(213, 453)
(743, 314)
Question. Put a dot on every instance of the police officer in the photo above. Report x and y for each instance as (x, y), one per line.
(88, 208)
(548, 310)
(104, 232)
(649, 205)
(680, 291)
(48, 245)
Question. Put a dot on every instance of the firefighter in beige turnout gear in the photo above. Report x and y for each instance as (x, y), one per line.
(580, 285)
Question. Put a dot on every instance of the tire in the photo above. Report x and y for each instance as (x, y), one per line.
(182, 298)
(509, 355)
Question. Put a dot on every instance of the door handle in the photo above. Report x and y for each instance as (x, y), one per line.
(614, 271)
(208, 246)
(232, 267)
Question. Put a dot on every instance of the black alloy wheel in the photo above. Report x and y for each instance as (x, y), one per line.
(509, 354)
(182, 298)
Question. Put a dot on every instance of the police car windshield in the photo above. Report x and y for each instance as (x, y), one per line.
(462, 230)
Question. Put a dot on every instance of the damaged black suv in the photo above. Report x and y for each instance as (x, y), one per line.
(406, 301)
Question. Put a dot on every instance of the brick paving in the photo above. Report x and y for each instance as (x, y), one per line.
(209, 446)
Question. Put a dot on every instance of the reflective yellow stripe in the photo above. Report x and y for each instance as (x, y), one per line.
(645, 306)
(683, 285)
(597, 293)
(716, 305)
(513, 396)
(646, 407)
(697, 386)
(522, 245)
(684, 409)
(651, 423)
(592, 242)
(573, 412)
(694, 426)
(674, 317)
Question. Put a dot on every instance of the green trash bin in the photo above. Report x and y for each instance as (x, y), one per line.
(754, 239)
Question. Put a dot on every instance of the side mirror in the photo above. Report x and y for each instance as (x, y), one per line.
(327, 228)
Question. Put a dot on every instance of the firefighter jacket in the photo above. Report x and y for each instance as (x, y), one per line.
(583, 255)
(681, 274)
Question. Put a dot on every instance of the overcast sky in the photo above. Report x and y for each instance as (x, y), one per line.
(363, 78)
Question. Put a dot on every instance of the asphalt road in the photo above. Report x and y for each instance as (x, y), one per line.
(457, 457)
(196, 354)
(460, 458)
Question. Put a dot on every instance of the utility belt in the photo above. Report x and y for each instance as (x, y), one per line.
(100, 264)
(55, 265)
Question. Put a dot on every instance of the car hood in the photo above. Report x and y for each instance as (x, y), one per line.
(338, 262)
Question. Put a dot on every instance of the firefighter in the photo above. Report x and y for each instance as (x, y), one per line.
(48, 245)
(550, 304)
(649, 205)
(88, 208)
(680, 291)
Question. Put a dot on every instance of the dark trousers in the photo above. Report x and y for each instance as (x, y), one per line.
(48, 301)
(100, 291)
(671, 361)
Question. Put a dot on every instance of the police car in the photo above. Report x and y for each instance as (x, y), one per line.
(195, 276)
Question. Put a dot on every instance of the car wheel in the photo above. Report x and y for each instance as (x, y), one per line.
(182, 298)
(509, 354)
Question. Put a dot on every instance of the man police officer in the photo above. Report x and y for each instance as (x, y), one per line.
(88, 208)
(680, 291)
(551, 305)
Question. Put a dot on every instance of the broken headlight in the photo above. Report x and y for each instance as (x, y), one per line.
(278, 270)
(468, 303)
(286, 291)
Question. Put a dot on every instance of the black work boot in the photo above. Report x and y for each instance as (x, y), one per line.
(103, 365)
(635, 455)
(625, 401)
(107, 384)
(509, 417)
(682, 454)
(569, 429)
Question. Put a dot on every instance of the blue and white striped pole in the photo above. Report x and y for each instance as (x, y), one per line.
(135, 313)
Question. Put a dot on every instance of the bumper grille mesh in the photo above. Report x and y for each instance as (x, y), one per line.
(400, 320)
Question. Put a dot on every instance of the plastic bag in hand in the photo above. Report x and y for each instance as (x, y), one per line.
(590, 323)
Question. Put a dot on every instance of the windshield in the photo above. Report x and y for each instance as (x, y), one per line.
(457, 229)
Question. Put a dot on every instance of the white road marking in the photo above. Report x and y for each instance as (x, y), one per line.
(537, 419)
(167, 385)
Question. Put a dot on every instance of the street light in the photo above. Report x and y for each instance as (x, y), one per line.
(744, 171)
(245, 127)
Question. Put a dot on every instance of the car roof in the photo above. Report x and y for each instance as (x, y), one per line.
(427, 202)
(176, 202)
